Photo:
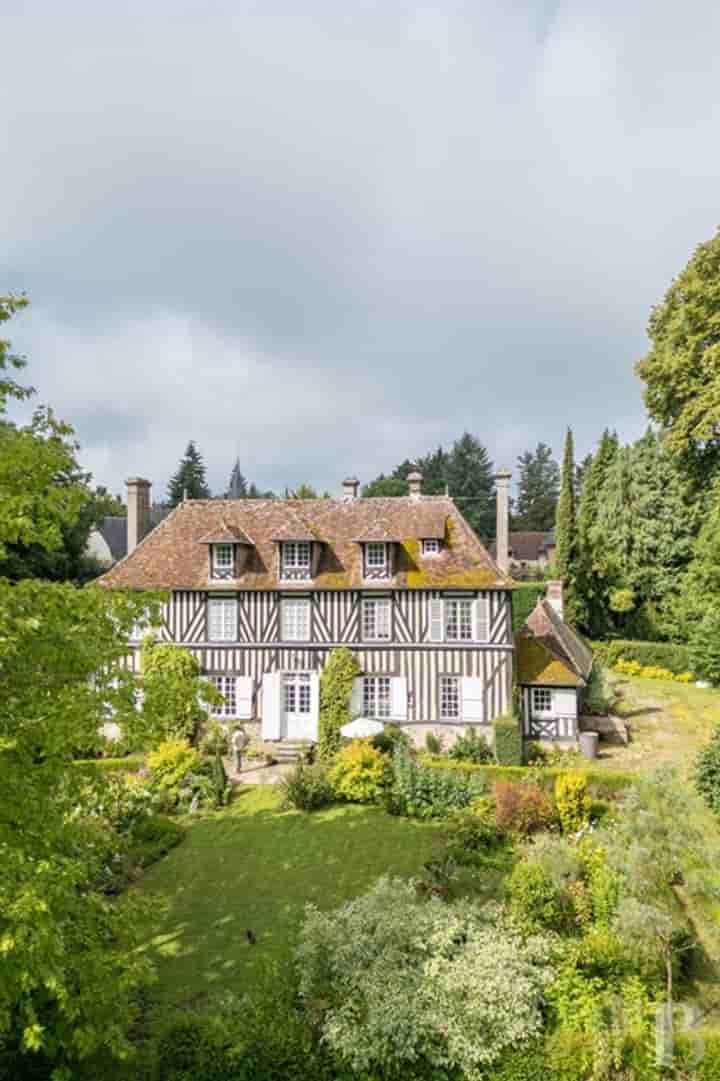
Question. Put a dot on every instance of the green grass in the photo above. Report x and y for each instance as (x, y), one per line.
(253, 866)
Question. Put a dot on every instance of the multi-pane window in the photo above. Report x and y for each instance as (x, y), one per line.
(227, 688)
(223, 561)
(458, 620)
(222, 619)
(296, 559)
(376, 619)
(295, 619)
(430, 546)
(296, 692)
(376, 696)
(542, 701)
(376, 559)
(449, 697)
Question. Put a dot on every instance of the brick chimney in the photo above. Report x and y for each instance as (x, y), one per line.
(138, 510)
(415, 483)
(351, 487)
(555, 597)
(502, 540)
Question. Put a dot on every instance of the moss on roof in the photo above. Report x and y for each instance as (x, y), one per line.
(536, 664)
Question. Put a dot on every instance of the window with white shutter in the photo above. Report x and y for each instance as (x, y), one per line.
(376, 619)
(482, 619)
(226, 686)
(458, 620)
(376, 696)
(222, 619)
(295, 619)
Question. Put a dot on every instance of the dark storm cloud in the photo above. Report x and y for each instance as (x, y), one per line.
(326, 240)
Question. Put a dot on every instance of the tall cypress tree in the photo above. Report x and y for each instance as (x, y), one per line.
(566, 528)
(590, 586)
(188, 481)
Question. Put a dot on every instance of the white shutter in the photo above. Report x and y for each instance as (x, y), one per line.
(398, 698)
(243, 697)
(565, 702)
(481, 619)
(473, 699)
(271, 706)
(315, 701)
(437, 622)
(356, 698)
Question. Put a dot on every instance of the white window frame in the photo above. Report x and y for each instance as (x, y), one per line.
(450, 706)
(376, 619)
(544, 694)
(377, 697)
(218, 566)
(459, 617)
(227, 685)
(291, 625)
(301, 685)
(430, 546)
(295, 560)
(228, 621)
(376, 560)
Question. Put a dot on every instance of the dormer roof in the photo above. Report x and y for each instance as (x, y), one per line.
(170, 558)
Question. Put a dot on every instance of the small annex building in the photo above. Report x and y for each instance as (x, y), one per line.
(553, 669)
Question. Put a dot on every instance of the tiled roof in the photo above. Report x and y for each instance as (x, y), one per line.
(549, 651)
(170, 558)
(225, 534)
(114, 531)
(527, 547)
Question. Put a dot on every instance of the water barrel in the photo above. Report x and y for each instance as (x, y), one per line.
(588, 744)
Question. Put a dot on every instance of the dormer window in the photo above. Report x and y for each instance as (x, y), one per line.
(296, 561)
(377, 562)
(431, 546)
(222, 561)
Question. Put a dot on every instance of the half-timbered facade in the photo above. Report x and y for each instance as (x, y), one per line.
(261, 591)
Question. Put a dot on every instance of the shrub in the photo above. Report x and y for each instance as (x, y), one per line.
(707, 772)
(533, 899)
(175, 695)
(215, 738)
(599, 698)
(153, 838)
(670, 655)
(122, 800)
(508, 741)
(172, 762)
(572, 801)
(471, 747)
(425, 792)
(522, 808)
(307, 787)
(472, 831)
(704, 647)
(336, 684)
(359, 772)
(183, 780)
(415, 986)
(391, 736)
(433, 745)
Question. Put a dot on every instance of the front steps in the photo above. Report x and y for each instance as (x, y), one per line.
(287, 750)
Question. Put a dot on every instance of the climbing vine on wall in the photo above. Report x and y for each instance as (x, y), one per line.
(336, 684)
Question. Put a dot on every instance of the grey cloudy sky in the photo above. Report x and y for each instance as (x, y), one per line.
(327, 236)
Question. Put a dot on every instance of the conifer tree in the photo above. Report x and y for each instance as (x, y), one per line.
(237, 485)
(470, 481)
(537, 490)
(590, 591)
(188, 481)
(566, 528)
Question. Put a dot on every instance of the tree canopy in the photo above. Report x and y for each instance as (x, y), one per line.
(538, 489)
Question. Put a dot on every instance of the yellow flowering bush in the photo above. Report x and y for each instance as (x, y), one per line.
(359, 772)
(572, 801)
(651, 671)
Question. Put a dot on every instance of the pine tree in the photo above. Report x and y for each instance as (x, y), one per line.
(237, 485)
(537, 490)
(470, 481)
(565, 528)
(188, 481)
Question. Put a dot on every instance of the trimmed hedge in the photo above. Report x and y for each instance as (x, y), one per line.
(670, 655)
(130, 764)
(524, 599)
(598, 779)
(508, 741)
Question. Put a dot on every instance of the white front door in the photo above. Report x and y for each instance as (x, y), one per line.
(298, 720)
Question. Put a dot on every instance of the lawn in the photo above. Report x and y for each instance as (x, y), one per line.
(254, 867)
(668, 721)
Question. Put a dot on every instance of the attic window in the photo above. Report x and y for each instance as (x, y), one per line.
(223, 561)
(295, 561)
(430, 546)
(376, 560)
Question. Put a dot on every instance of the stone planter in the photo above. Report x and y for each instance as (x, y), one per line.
(588, 744)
